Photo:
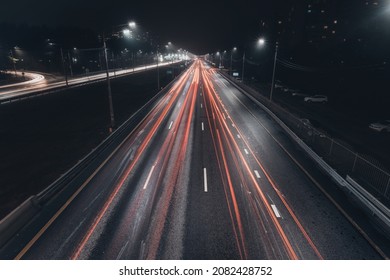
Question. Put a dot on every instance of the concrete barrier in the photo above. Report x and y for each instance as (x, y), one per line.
(18, 218)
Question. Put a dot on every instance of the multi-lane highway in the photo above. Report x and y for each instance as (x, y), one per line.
(38, 82)
(206, 175)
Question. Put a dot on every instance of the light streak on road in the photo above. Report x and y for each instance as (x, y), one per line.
(175, 91)
(34, 78)
(39, 82)
(235, 150)
(282, 198)
(136, 217)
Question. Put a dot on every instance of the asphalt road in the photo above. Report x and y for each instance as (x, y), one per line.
(206, 175)
(39, 82)
(44, 136)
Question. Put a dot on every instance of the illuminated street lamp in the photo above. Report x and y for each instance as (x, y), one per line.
(127, 31)
(261, 43)
(132, 25)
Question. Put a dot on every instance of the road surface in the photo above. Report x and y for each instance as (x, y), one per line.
(206, 175)
(39, 82)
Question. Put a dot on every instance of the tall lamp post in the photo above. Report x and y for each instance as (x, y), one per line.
(273, 72)
(243, 67)
(13, 60)
(222, 58)
(110, 103)
(63, 67)
(261, 43)
(219, 55)
(231, 60)
(111, 106)
(158, 71)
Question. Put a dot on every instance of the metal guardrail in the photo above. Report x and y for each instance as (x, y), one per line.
(373, 204)
(23, 214)
(368, 200)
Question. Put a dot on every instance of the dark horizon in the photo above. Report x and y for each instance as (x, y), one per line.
(203, 28)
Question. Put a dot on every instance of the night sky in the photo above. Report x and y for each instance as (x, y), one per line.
(198, 26)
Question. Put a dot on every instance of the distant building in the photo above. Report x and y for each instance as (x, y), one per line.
(348, 28)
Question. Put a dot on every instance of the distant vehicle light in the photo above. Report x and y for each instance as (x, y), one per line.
(380, 126)
(316, 98)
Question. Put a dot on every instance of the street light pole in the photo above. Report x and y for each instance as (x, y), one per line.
(222, 58)
(64, 68)
(13, 61)
(113, 62)
(112, 117)
(158, 72)
(70, 64)
(243, 66)
(273, 72)
(231, 60)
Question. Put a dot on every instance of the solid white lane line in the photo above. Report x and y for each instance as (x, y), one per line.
(257, 174)
(202, 126)
(238, 135)
(170, 125)
(246, 151)
(147, 179)
(277, 214)
(205, 179)
(224, 116)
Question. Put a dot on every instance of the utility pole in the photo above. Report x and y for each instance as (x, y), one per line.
(273, 72)
(158, 73)
(113, 62)
(112, 118)
(13, 61)
(70, 64)
(243, 66)
(231, 60)
(64, 68)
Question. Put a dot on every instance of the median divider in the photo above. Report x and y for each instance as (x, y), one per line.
(18, 218)
(69, 182)
(368, 201)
